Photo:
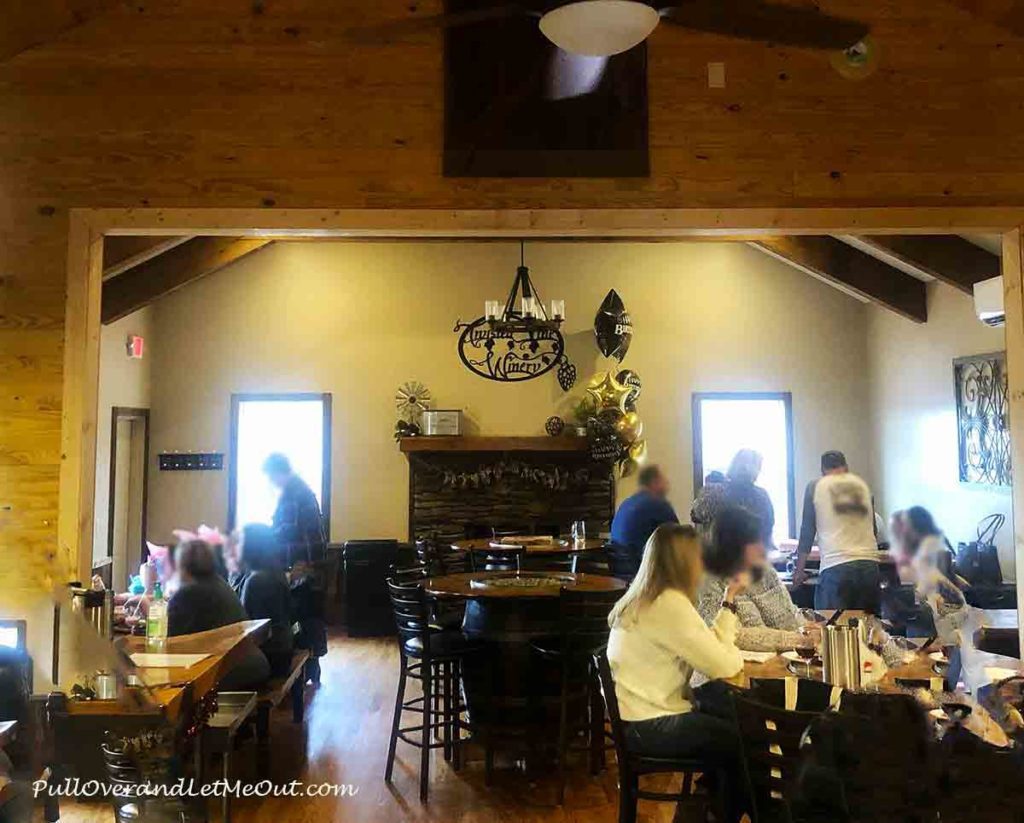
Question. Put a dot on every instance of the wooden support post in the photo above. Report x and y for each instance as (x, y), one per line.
(81, 396)
(1013, 301)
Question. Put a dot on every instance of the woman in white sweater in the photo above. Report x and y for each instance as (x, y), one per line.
(658, 640)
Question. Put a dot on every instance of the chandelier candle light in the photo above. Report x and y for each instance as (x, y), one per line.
(531, 313)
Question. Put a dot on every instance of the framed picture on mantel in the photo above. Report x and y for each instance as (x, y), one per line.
(982, 417)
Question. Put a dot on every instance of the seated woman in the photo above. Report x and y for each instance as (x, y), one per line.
(205, 601)
(930, 561)
(658, 640)
(263, 588)
(768, 619)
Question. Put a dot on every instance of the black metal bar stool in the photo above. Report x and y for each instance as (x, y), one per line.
(433, 656)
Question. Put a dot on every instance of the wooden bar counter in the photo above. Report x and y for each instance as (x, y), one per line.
(167, 688)
(174, 697)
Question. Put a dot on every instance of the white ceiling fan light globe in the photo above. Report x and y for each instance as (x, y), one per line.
(599, 28)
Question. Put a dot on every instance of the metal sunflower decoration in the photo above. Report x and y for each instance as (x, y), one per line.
(411, 400)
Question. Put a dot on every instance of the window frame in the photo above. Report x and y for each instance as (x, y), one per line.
(698, 463)
(288, 397)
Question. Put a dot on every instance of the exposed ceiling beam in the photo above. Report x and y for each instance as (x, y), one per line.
(853, 270)
(123, 252)
(945, 257)
(170, 271)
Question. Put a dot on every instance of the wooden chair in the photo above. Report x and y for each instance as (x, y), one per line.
(440, 559)
(498, 559)
(771, 740)
(583, 624)
(633, 766)
(434, 658)
(979, 782)
(888, 765)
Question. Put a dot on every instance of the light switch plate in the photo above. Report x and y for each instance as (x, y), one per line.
(716, 75)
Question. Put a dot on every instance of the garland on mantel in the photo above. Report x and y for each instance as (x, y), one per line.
(486, 475)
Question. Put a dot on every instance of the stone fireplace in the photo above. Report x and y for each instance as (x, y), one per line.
(537, 484)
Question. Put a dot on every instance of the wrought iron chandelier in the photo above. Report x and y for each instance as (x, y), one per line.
(524, 310)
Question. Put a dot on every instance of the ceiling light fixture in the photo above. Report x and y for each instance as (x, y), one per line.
(599, 28)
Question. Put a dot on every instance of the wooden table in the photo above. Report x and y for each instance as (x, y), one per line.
(974, 664)
(483, 545)
(462, 585)
(167, 688)
(1001, 619)
(507, 620)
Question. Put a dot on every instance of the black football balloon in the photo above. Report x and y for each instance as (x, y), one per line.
(613, 328)
(630, 379)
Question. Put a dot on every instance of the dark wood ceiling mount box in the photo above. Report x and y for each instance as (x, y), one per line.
(476, 483)
(504, 115)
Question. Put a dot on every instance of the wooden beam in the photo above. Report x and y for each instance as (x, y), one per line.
(850, 269)
(170, 271)
(124, 252)
(1013, 302)
(946, 257)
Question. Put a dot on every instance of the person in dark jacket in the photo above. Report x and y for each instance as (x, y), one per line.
(264, 591)
(297, 521)
(205, 601)
(742, 491)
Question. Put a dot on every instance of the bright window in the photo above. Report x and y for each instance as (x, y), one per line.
(296, 425)
(724, 423)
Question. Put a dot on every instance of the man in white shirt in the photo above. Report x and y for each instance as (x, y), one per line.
(838, 509)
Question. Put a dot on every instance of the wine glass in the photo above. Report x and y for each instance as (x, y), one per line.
(579, 534)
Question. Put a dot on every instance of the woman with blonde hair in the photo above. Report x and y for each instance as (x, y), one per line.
(658, 640)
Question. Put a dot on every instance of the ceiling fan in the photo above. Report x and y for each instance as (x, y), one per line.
(588, 32)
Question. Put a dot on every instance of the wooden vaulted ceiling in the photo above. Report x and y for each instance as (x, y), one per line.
(139, 270)
(888, 270)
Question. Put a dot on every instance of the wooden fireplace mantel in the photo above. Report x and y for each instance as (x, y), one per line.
(439, 443)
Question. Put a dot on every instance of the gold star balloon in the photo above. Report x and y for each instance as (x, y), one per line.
(608, 393)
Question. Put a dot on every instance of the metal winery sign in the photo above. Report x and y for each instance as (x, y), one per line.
(509, 355)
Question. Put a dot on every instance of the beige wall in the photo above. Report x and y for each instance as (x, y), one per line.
(123, 382)
(914, 416)
(358, 319)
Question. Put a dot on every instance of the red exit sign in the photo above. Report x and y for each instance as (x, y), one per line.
(136, 345)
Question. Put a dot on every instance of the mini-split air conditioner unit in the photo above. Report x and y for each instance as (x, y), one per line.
(988, 301)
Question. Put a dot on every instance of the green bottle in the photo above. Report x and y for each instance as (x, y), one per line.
(156, 621)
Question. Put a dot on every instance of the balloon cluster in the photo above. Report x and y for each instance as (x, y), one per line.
(613, 426)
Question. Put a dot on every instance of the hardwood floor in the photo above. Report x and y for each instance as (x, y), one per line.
(344, 741)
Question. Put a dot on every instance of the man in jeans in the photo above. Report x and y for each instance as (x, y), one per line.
(838, 509)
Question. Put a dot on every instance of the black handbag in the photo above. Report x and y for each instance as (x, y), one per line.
(978, 561)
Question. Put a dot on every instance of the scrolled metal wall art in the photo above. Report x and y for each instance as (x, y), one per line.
(982, 410)
(509, 355)
(517, 344)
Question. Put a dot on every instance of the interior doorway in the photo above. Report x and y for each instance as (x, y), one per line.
(129, 468)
